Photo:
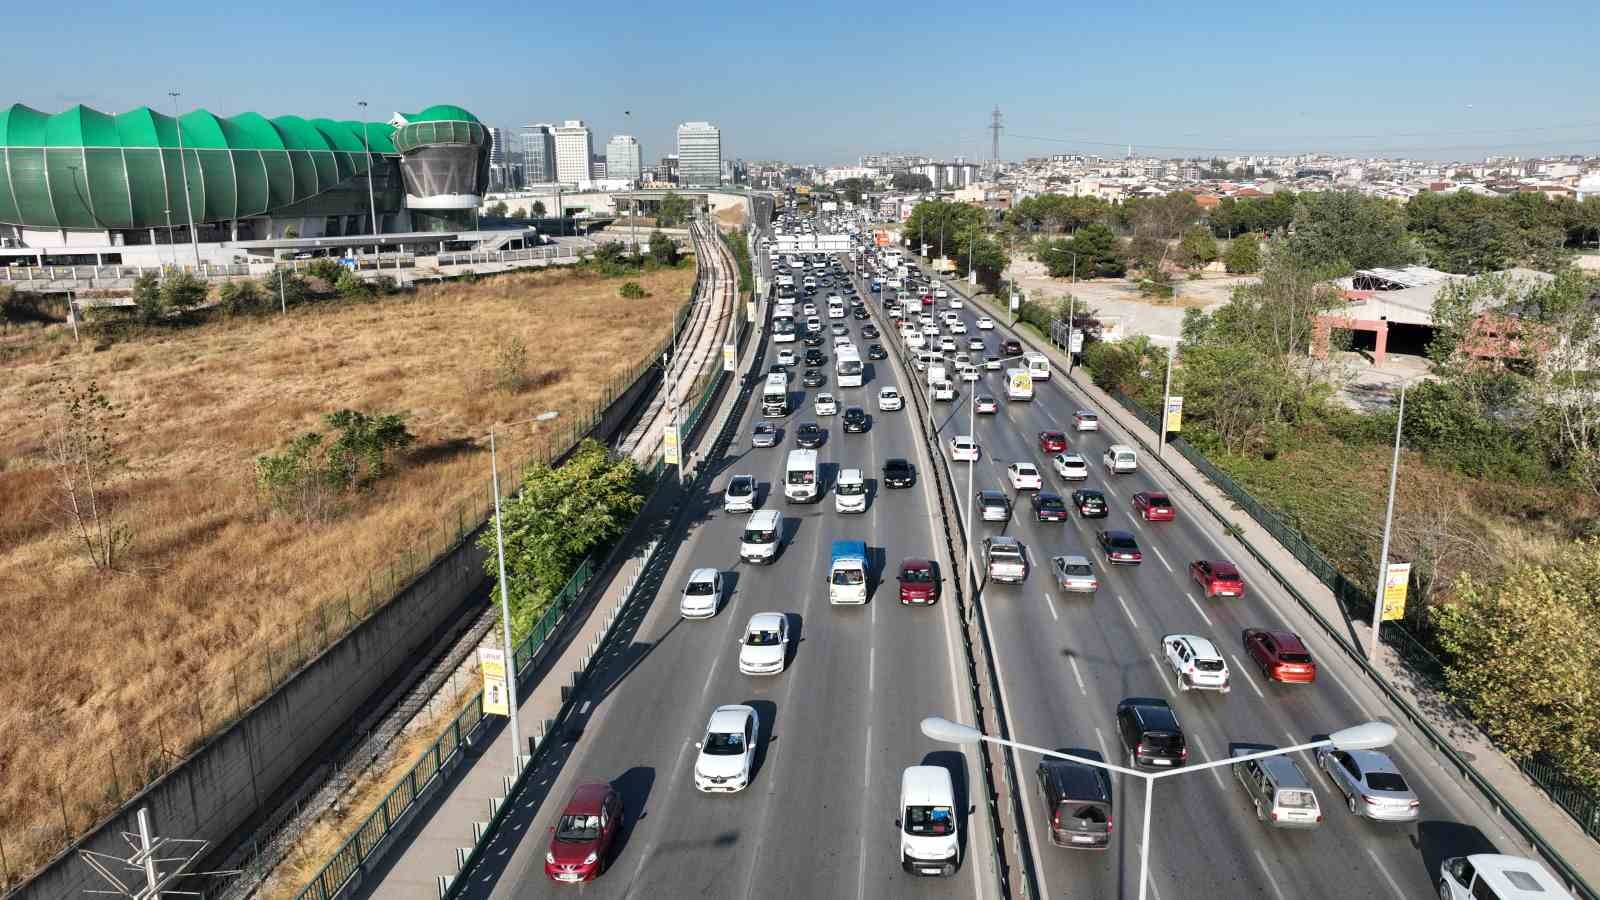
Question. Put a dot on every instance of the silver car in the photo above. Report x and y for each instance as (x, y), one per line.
(1074, 573)
(764, 435)
(1371, 785)
(701, 595)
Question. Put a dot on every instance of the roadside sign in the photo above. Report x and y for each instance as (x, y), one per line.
(1075, 343)
(1394, 591)
(750, 311)
(1174, 414)
(729, 357)
(669, 445)
(492, 662)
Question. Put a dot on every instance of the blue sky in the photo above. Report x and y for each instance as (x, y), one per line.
(832, 80)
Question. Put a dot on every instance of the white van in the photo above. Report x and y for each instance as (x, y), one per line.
(800, 477)
(1038, 365)
(1120, 459)
(1496, 876)
(1019, 384)
(850, 492)
(763, 532)
(929, 842)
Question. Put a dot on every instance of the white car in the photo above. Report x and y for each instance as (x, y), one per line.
(985, 323)
(728, 750)
(944, 390)
(947, 345)
(810, 309)
(765, 646)
(992, 363)
(1071, 466)
(1085, 420)
(925, 319)
(889, 399)
(813, 324)
(962, 359)
(841, 341)
(963, 448)
(969, 373)
(958, 327)
(826, 405)
(1196, 663)
(1024, 476)
(786, 357)
(930, 331)
(915, 340)
(986, 405)
(975, 344)
(740, 495)
(956, 302)
(701, 595)
(950, 319)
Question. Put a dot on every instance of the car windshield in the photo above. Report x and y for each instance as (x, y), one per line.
(729, 744)
(763, 638)
(917, 576)
(802, 476)
(578, 829)
(1077, 569)
(758, 536)
(849, 576)
(699, 588)
(851, 488)
(740, 486)
(930, 820)
(1049, 502)
(1386, 781)
(1297, 799)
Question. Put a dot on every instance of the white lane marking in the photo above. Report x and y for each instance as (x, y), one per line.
(1052, 606)
(1127, 612)
(1306, 753)
(710, 674)
(1197, 608)
(584, 709)
(866, 781)
(1160, 557)
(1205, 756)
(1245, 671)
(1267, 870)
(1384, 871)
(1161, 674)
(1105, 748)
(1027, 808)
(1078, 676)
(872, 666)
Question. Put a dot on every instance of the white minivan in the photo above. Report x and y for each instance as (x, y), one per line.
(929, 843)
(850, 492)
(1496, 876)
(763, 532)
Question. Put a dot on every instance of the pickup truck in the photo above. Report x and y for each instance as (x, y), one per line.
(1006, 559)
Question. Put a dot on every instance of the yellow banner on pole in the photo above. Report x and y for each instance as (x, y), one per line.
(669, 445)
(1394, 591)
(1174, 414)
(492, 662)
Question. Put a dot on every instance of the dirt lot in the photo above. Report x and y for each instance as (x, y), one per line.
(1118, 300)
(107, 678)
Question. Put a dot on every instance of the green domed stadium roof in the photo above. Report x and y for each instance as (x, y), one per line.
(444, 112)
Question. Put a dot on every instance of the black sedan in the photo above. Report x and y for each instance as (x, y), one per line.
(855, 420)
(1090, 504)
(899, 473)
(858, 313)
(810, 435)
(1048, 507)
(812, 339)
(813, 378)
(1120, 547)
(876, 351)
(815, 358)
(869, 332)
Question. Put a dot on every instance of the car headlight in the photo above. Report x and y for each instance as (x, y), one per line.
(550, 857)
(589, 860)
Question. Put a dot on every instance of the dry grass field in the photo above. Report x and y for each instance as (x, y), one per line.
(106, 679)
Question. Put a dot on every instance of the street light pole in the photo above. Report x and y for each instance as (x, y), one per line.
(372, 199)
(183, 166)
(1388, 519)
(1166, 394)
(505, 615)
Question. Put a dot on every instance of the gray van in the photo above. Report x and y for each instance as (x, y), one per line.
(1282, 796)
(1077, 800)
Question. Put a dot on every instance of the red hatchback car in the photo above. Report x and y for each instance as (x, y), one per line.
(919, 582)
(1217, 577)
(581, 839)
(1154, 506)
(1053, 441)
(1281, 655)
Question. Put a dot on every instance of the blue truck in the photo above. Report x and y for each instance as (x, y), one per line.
(847, 573)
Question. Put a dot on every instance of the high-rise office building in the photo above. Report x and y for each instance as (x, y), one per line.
(574, 149)
(699, 154)
(623, 157)
(539, 153)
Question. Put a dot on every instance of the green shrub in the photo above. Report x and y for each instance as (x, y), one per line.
(149, 306)
(325, 268)
(631, 290)
(308, 478)
(242, 297)
(351, 286)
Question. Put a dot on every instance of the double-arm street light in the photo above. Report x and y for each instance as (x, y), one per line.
(1366, 736)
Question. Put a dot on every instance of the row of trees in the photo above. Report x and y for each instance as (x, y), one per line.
(959, 232)
(500, 210)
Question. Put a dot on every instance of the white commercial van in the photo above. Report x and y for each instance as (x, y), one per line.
(775, 395)
(1038, 365)
(763, 532)
(800, 476)
(1120, 459)
(929, 842)
(847, 365)
(850, 492)
(1019, 384)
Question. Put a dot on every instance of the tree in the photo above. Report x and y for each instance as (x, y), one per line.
(1099, 254)
(905, 181)
(1243, 255)
(663, 250)
(538, 209)
(148, 304)
(80, 443)
(1342, 231)
(852, 189)
(307, 478)
(497, 210)
(1164, 217)
(1197, 249)
(520, 212)
(674, 210)
(241, 297)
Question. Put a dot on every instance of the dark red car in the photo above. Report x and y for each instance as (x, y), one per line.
(581, 839)
(919, 582)
(1217, 577)
(1011, 347)
(1053, 441)
(1154, 506)
(1281, 655)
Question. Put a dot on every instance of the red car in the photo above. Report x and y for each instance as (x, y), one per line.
(1281, 655)
(1217, 577)
(1053, 441)
(1154, 506)
(919, 582)
(581, 839)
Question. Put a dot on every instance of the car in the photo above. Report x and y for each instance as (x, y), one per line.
(814, 325)
(810, 309)
(931, 332)
(962, 360)
(826, 405)
(1085, 420)
(1090, 504)
(993, 506)
(1154, 506)
(969, 373)
(1120, 547)
(777, 369)
(985, 323)
(1217, 578)
(839, 329)
(1070, 466)
(919, 582)
(947, 344)
(740, 494)
(765, 434)
(1011, 347)
(963, 448)
(958, 327)
(1280, 655)
(1371, 784)
(583, 837)
(858, 313)
(1052, 442)
(1005, 559)
(1049, 507)
(812, 339)
(1077, 799)
(809, 435)
(876, 351)
(765, 646)
(899, 473)
(1074, 574)
(944, 391)
(1151, 733)
(786, 357)
(728, 750)
(1196, 663)
(1024, 476)
(813, 378)
(701, 595)
(985, 405)
(991, 363)
(842, 340)
(855, 420)
(814, 358)
(975, 344)
(889, 399)
(868, 332)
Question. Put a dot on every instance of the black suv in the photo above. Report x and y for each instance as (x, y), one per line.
(815, 358)
(1151, 733)
(1077, 800)
(858, 313)
(809, 435)
(898, 473)
(1090, 504)
(855, 420)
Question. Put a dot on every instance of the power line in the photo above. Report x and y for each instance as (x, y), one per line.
(1312, 141)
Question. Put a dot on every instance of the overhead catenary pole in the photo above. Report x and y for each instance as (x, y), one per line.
(1388, 520)
(372, 200)
(183, 167)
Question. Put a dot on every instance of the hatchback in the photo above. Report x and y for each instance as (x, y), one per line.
(1011, 347)
(582, 839)
(1052, 442)
(1153, 506)
(701, 595)
(1024, 476)
(764, 435)
(1085, 420)
(809, 435)
(1090, 504)
(963, 448)
(825, 405)
(1196, 663)
(813, 378)
(975, 344)
(991, 363)
(855, 420)
(812, 339)
(889, 399)
(875, 351)
(740, 495)
(985, 405)
(1151, 734)
(919, 582)
(1071, 466)
(899, 473)
(786, 357)
(868, 332)
(814, 357)
(1217, 577)
(765, 646)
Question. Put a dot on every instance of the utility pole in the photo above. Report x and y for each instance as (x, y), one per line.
(1166, 392)
(371, 197)
(1388, 520)
(994, 141)
(183, 166)
(505, 617)
(154, 864)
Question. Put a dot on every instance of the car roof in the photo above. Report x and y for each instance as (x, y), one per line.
(1024, 464)
(1116, 535)
(1156, 718)
(764, 518)
(765, 621)
(1076, 780)
(1202, 647)
(849, 475)
(1223, 567)
(1053, 432)
(1288, 640)
(741, 478)
(729, 718)
(1516, 877)
(587, 799)
(704, 573)
(914, 563)
(1003, 540)
(1373, 761)
(1156, 496)
(926, 786)
(1074, 560)
(1084, 412)
(988, 494)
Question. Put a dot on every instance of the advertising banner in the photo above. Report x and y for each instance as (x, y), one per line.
(1394, 591)
(729, 357)
(1075, 344)
(492, 662)
(669, 445)
(1174, 414)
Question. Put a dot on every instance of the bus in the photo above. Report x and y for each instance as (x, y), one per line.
(1038, 365)
(783, 330)
(847, 366)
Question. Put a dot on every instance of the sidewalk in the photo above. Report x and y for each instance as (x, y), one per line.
(1553, 824)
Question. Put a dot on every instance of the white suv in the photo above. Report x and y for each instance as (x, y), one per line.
(1196, 663)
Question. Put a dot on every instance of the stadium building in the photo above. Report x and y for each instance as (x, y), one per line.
(84, 187)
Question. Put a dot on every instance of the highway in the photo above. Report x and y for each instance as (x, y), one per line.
(1065, 662)
(837, 727)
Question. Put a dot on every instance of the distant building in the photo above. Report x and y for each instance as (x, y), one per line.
(539, 153)
(574, 150)
(623, 158)
(597, 167)
(699, 154)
